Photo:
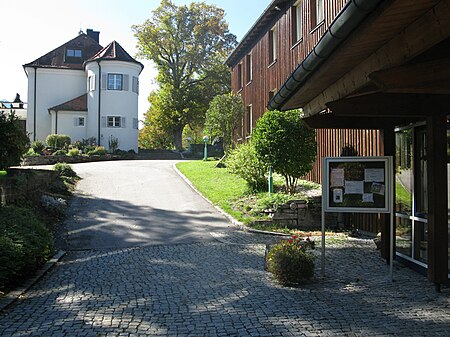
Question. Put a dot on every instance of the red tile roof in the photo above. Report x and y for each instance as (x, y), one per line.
(57, 57)
(114, 52)
(76, 104)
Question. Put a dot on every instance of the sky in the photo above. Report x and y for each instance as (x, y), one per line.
(30, 29)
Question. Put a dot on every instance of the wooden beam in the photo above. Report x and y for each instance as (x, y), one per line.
(382, 105)
(437, 198)
(430, 77)
(331, 121)
(388, 135)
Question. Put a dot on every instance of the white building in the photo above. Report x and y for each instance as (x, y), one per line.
(83, 90)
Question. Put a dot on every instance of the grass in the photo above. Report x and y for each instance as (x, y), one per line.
(231, 194)
(401, 194)
(3, 174)
(216, 184)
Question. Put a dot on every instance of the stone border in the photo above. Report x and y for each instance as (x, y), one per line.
(232, 220)
(14, 295)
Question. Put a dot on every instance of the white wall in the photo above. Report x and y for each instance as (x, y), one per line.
(53, 87)
(122, 103)
(67, 126)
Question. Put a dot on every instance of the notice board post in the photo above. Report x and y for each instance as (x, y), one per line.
(357, 185)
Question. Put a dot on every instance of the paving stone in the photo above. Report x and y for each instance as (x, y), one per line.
(221, 289)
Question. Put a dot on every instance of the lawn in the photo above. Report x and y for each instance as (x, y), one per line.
(216, 184)
(231, 194)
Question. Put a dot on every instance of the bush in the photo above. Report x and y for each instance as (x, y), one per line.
(283, 141)
(31, 153)
(271, 201)
(60, 153)
(290, 261)
(73, 152)
(13, 141)
(243, 162)
(64, 170)
(98, 151)
(37, 146)
(58, 141)
(25, 244)
(113, 143)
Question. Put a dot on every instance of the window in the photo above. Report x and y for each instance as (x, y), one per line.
(114, 122)
(115, 81)
(296, 20)
(272, 45)
(91, 83)
(249, 120)
(73, 56)
(317, 12)
(239, 75)
(79, 121)
(248, 68)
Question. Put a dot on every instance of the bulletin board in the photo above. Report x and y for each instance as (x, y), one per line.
(357, 184)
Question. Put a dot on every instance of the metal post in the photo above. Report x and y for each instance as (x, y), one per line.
(391, 227)
(270, 180)
(205, 154)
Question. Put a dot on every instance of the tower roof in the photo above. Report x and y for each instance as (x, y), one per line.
(114, 52)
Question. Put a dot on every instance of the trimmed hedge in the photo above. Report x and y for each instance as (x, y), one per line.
(25, 244)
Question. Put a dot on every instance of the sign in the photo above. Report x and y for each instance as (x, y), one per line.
(357, 184)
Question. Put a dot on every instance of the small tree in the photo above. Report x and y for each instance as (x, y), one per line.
(224, 117)
(13, 140)
(283, 141)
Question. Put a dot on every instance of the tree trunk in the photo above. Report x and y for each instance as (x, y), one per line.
(178, 138)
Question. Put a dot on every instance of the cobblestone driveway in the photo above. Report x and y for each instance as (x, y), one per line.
(221, 289)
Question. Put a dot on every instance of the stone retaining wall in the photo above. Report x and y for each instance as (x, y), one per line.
(50, 160)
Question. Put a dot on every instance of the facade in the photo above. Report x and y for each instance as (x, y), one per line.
(379, 65)
(84, 90)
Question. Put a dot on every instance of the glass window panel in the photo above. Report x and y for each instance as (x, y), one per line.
(404, 175)
(421, 241)
(403, 232)
(421, 188)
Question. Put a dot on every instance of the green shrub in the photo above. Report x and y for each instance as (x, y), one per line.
(58, 141)
(98, 151)
(290, 261)
(243, 162)
(73, 152)
(13, 141)
(64, 170)
(271, 201)
(25, 244)
(31, 153)
(37, 146)
(60, 153)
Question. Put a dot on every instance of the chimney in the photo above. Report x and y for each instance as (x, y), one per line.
(93, 34)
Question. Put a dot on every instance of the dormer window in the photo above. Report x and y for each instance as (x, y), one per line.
(74, 56)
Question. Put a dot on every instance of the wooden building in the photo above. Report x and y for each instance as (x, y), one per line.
(372, 74)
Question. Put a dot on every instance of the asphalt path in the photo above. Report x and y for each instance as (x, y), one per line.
(121, 204)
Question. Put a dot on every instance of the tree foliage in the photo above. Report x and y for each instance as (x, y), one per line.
(188, 46)
(13, 140)
(224, 117)
(283, 141)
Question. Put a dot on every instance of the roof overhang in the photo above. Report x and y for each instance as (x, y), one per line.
(362, 28)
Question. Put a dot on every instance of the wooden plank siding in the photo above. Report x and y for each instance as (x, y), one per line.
(267, 78)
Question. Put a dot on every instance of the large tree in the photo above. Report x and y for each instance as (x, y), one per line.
(188, 46)
(224, 117)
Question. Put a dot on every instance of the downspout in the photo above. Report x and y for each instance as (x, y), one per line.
(351, 16)
(34, 104)
(56, 121)
(99, 99)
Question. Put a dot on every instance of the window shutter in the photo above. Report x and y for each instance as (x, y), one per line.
(133, 84)
(135, 123)
(126, 80)
(92, 87)
(75, 121)
(103, 82)
(122, 122)
(103, 122)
